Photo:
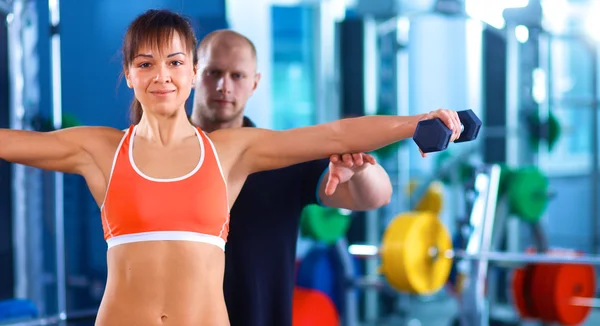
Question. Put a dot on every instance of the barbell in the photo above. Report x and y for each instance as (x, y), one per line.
(416, 255)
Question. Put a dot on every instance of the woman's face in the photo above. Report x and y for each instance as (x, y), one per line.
(162, 79)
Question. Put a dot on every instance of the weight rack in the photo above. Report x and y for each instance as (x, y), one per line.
(474, 307)
(489, 222)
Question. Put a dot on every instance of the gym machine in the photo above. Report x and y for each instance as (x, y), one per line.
(37, 223)
(417, 252)
(6, 238)
(26, 182)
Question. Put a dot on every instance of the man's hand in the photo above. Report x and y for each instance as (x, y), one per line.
(343, 167)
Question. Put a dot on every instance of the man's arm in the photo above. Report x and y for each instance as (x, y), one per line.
(367, 189)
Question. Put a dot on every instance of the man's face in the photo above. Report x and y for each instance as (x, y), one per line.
(227, 78)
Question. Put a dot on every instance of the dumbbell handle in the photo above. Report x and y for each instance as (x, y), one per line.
(462, 127)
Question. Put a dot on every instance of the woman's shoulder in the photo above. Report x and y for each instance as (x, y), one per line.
(99, 133)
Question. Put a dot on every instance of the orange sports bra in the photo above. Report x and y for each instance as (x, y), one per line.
(193, 207)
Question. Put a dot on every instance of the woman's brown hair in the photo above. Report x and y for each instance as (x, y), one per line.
(155, 29)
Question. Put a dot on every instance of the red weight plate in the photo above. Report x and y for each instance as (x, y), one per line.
(521, 293)
(313, 308)
(541, 291)
(573, 281)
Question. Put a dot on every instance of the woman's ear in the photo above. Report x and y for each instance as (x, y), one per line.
(195, 74)
(129, 84)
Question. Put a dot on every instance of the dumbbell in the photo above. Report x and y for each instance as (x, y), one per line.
(433, 135)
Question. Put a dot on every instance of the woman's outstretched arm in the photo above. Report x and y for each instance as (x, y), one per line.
(65, 150)
(266, 149)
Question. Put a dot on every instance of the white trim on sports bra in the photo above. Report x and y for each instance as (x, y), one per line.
(166, 236)
(189, 174)
(112, 168)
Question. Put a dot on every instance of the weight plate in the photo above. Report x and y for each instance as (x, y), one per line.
(322, 270)
(572, 281)
(324, 224)
(548, 131)
(464, 169)
(521, 299)
(389, 150)
(554, 130)
(405, 253)
(432, 199)
(313, 308)
(541, 288)
(528, 193)
(13, 309)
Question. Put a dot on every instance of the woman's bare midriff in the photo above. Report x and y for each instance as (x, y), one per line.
(164, 283)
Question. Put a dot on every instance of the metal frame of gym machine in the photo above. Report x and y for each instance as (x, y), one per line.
(486, 213)
(380, 23)
(476, 307)
(26, 181)
(539, 45)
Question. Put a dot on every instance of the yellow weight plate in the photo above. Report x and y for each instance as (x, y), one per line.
(405, 253)
(392, 252)
(433, 198)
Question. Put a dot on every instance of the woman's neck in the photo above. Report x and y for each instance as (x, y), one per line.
(164, 130)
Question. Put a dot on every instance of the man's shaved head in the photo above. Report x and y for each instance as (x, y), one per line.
(224, 38)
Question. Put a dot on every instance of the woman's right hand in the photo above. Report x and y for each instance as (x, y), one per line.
(450, 119)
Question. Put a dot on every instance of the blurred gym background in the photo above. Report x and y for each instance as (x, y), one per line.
(528, 69)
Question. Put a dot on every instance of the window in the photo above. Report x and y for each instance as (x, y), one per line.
(293, 69)
(571, 100)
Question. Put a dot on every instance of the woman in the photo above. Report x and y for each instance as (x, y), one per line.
(165, 187)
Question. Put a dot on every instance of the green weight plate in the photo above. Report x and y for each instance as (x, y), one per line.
(528, 193)
(324, 224)
(465, 169)
(551, 134)
(68, 121)
(554, 130)
(505, 172)
(389, 150)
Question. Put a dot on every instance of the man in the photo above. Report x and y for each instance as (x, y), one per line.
(261, 248)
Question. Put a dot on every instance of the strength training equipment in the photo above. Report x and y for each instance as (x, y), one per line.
(313, 308)
(324, 224)
(433, 136)
(417, 254)
(322, 270)
(406, 259)
(433, 198)
(17, 309)
(539, 131)
(554, 293)
(463, 167)
(527, 189)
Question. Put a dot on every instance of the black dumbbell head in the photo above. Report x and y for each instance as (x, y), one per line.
(432, 135)
(471, 125)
